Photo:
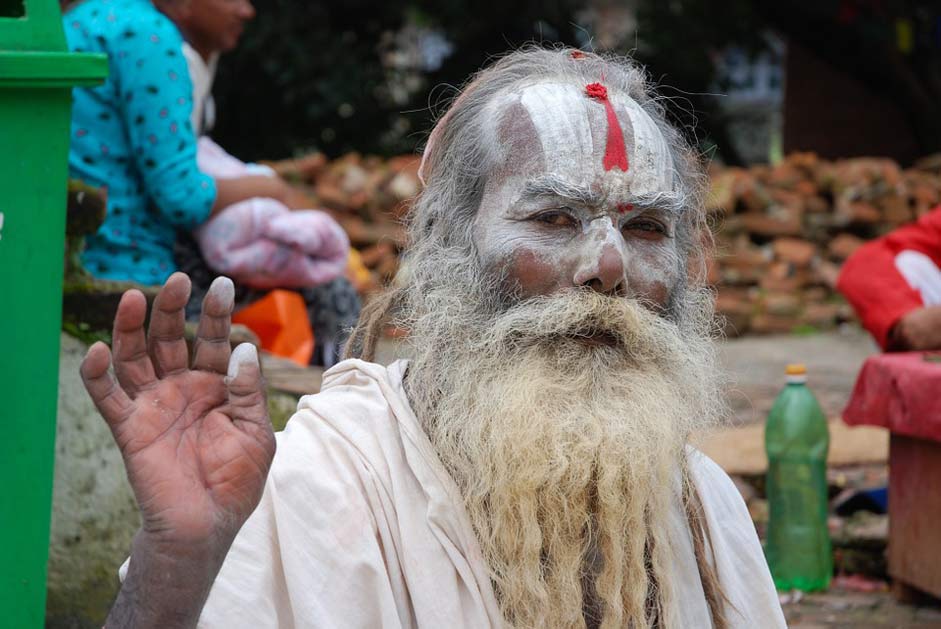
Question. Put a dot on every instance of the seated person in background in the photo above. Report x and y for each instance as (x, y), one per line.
(894, 283)
(210, 28)
(135, 135)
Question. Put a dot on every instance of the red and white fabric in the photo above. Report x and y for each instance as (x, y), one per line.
(887, 278)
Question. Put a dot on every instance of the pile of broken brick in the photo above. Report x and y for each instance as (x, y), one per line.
(781, 231)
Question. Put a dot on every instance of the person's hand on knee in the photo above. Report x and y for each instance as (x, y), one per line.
(919, 330)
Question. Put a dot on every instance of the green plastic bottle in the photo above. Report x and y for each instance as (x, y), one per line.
(797, 439)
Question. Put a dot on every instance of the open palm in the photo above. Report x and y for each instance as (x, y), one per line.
(195, 436)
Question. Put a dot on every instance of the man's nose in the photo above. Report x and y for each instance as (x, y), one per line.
(607, 276)
(247, 10)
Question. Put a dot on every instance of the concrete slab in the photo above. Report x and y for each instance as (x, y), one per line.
(756, 369)
(755, 366)
(741, 449)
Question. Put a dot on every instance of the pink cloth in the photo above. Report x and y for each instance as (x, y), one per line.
(899, 392)
(261, 242)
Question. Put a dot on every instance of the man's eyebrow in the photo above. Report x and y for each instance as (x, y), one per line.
(550, 186)
(669, 202)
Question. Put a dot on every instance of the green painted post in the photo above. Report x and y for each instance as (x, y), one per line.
(36, 76)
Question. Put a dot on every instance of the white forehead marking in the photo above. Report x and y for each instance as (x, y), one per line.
(562, 115)
(562, 123)
(649, 153)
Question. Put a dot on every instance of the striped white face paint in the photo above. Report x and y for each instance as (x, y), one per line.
(572, 131)
(554, 217)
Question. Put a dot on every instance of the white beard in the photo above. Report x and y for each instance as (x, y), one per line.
(563, 450)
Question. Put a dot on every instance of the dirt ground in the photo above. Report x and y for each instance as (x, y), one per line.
(858, 610)
(756, 368)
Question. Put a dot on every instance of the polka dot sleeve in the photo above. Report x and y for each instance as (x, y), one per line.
(155, 94)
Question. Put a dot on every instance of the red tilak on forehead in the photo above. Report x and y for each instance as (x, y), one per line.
(615, 154)
(624, 208)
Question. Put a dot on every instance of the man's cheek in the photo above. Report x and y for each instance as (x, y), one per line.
(650, 279)
(534, 273)
(656, 292)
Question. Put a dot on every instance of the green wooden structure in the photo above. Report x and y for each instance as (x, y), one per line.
(36, 76)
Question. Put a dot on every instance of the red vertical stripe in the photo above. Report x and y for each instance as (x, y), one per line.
(615, 152)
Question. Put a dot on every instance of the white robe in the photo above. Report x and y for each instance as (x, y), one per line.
(361, 527)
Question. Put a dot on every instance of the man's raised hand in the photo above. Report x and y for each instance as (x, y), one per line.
(195, 437)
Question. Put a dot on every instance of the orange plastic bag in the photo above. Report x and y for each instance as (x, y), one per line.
(280, 320)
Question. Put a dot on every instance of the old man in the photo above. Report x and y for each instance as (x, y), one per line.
(527, 466)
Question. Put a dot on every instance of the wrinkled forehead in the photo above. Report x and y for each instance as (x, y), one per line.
(557, 128)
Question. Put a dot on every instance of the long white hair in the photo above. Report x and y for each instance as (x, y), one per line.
(569, 458)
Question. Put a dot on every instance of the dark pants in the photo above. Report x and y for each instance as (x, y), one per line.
(333, 308)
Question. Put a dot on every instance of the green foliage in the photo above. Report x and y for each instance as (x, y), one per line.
(318, 74)
(805, 329)
(679, 41)
(329, 76)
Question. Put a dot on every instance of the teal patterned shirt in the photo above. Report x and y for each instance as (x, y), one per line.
(133, 135)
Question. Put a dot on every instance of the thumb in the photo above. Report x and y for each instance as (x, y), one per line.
(246, 387)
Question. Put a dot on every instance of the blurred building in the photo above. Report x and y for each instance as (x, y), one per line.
(750, 92)
(835, 115)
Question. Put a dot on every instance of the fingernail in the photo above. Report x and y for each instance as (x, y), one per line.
(224, 290)
(244, 354)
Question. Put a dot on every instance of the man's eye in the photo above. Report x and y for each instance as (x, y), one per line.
(650, 228)
(557, 219)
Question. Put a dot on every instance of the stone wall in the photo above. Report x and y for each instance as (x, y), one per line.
(94, 515)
